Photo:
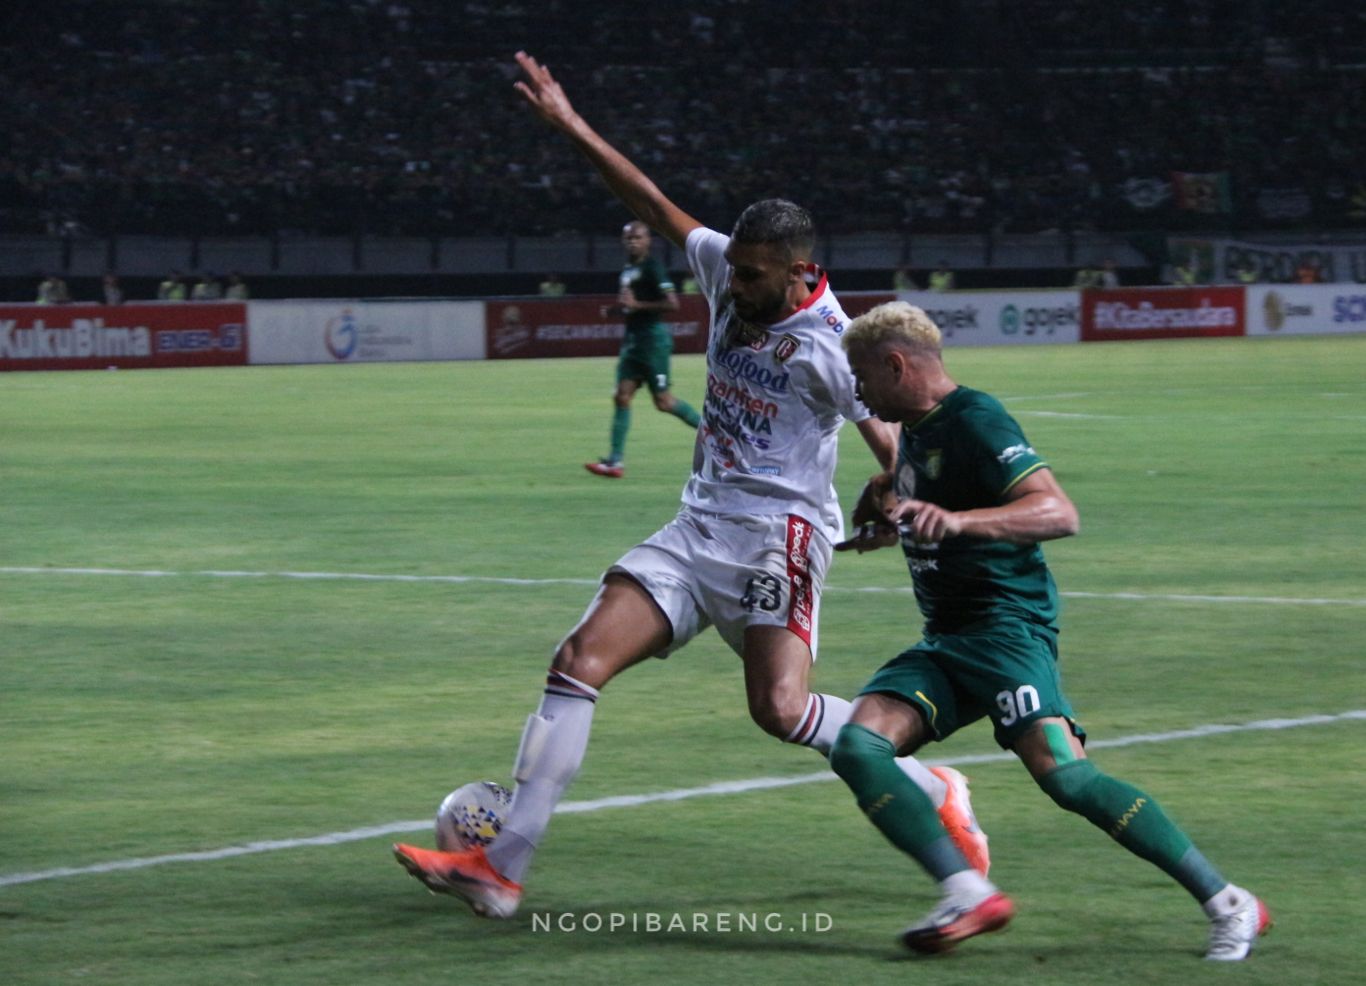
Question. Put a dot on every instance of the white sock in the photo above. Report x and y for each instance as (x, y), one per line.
(932, 785)
(969, 884)
(1225, 901)
(820, 724)
(553, 746)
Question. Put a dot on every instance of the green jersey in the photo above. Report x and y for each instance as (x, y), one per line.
(648, 281)
(967, 454)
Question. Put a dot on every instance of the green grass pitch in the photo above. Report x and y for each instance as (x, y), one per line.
(143, 716)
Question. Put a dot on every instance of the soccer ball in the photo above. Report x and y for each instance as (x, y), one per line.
(472, 815)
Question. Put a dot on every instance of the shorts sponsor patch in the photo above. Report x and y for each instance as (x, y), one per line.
(799, 577)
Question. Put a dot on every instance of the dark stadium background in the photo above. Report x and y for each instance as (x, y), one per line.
(268, 124)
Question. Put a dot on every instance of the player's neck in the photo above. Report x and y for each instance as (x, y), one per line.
(935, 392)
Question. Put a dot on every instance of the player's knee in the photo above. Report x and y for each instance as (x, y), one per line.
(621, 401)
(856, 751)
(1070, 786)
(581, 663)
(777, 712)
(664, 401)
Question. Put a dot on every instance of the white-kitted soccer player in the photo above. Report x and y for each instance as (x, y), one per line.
(748, 551)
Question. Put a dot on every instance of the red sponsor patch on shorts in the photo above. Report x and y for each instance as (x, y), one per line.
(799, 577)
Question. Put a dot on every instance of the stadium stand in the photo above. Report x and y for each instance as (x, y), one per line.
(396, 117)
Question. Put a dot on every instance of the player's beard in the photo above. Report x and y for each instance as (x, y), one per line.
(763, 310)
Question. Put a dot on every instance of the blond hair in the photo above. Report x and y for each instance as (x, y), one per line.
(896, 322)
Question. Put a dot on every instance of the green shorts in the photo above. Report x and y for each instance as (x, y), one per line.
(645, 359)
(1008, 671)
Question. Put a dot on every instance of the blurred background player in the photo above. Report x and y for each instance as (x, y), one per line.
(748, 550)
(974, 500)
(644, 294)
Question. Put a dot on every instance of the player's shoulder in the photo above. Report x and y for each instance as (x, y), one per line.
(822, 317)
(968, 402)
(703, 239)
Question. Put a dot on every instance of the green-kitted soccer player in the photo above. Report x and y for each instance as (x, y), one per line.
(970, 500)
(645, 294)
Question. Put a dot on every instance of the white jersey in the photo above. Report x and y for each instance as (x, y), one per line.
(773, 409)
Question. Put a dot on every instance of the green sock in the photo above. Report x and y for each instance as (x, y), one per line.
(1135, 821)
(866, 761)
(621, 424)
(685, 411)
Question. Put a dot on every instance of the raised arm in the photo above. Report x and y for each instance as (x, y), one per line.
(626, 181)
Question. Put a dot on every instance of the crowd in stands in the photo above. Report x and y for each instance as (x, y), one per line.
(398, 117)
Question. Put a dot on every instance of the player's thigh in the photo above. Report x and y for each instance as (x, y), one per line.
(777, 677)
(1007, 670)
(622, 626)
(914, 680)
(634, 366)
(902, 722)
(626, 389)
(665, 567)
(657, 362)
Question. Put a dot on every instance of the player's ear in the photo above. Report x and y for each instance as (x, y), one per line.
(896, 362)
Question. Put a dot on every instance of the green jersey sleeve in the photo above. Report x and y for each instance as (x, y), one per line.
(1003, 456)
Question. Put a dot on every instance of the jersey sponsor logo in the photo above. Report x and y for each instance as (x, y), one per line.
(787, 346)
(740, 398)
(767, 470)
(832, 318)
(743, 366)
(736, 411)
(919, 566)
(1009, 455)
(725, 420)
(732, 330)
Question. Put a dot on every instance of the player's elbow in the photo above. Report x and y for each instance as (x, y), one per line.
(1066, 520)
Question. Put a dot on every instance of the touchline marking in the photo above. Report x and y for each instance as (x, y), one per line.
(156, 573)
(634, 800)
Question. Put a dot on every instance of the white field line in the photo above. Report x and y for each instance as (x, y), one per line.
(634, 800)
(492, 580)
(1067, 414)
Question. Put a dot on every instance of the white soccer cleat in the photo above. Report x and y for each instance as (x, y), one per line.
(958, 917)
(1231, 935)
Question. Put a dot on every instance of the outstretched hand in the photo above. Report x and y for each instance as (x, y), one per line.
(872, 515)
(870, 537)
(928, 523)
(543, 93)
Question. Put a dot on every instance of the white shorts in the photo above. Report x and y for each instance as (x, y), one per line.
(734, 572)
